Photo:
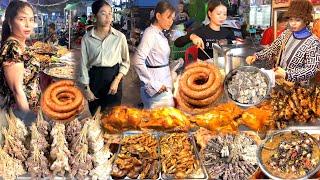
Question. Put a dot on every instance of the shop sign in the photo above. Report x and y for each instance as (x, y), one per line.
(280, 3)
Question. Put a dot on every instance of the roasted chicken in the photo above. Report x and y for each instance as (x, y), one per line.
(124, 118)
(221, 119)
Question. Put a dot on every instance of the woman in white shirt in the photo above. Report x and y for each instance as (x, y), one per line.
(151, 59)
(105, 60)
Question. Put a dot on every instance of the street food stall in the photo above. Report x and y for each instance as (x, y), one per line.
(229, 122)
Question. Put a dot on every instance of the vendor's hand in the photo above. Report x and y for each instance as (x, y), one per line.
(89, 94)
(196, 40)
(162, 89)
(114, 86)
(280, 73)
(251, 59)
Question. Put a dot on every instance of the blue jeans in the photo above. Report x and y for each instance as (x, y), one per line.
(164, 99)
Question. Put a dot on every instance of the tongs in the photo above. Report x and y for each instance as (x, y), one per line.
(206, 53)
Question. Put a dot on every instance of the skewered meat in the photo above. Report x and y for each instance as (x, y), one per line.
(101, 156)
(73, 129)
(38, 140)
(14, 147)
(295, 105)
(95, 135)
(43, 126)
(37, 164)
(230, 157)
(16, 127)
(10, 168)
(81, 161)
(15, 137)
(59, 151)
(103, 164)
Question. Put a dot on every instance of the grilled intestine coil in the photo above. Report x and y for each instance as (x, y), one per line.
(62, 100)
(59, 153)
(200, 87)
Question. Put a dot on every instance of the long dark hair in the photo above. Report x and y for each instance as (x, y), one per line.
(11, 12)
(96, 6)
(161, 7)
(212, 4)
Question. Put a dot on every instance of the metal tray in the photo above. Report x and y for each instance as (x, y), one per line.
(246, 133)
(312, 130)
(60, 76)
(201, 174)
(133, 133)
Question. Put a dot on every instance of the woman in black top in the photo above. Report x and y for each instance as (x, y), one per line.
(205, 36)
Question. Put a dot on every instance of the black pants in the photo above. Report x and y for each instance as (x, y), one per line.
(100, 82)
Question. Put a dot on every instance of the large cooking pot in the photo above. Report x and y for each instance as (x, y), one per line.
(235, 56)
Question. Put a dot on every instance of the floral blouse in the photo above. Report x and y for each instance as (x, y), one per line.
(10, 52)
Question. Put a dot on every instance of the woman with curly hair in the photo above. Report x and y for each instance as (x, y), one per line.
(297, 49)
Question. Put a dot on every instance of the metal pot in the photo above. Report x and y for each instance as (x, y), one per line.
(233, 56)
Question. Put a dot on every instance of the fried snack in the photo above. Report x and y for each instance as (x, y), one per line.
(177, 157)
(62, 51)
(138, 157)
(42, 47)
(200, 86)
(63, 72)
(60, 107)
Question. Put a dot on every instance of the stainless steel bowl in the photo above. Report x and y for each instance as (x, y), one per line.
(265, 170)
(246, 69)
